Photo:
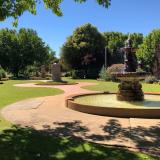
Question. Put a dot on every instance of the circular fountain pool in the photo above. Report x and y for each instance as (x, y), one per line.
(130, 101)
(103, 100)
(108, 105)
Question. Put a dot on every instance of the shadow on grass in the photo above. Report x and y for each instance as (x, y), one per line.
(27, 143)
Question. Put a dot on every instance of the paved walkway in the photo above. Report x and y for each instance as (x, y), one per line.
(49, 113)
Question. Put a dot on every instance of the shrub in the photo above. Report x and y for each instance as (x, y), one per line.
(103, 74)
(38, 78)
(67, 74)
(5, 79)
(114, 68)
(140, 70)
(48, 78)
(78, 74)
(2, 73)
(150, 79)
(92, 73)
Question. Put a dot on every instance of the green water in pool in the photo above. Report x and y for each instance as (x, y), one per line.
(109, 100)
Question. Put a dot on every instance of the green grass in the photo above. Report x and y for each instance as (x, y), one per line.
(113, 87)
(11, 94)
(103, 86)
(79, 80)
(151, 87)
(56, 83)
(28, 144)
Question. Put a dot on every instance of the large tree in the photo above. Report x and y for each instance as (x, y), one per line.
(137, 39)
(147, 51)
(21, 49)
(84, 49)
(15, 8)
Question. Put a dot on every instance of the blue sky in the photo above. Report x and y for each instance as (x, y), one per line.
(123, 15)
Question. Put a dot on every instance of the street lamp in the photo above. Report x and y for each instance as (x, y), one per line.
(105, 61)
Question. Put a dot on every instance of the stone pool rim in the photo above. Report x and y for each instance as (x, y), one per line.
(111, 111)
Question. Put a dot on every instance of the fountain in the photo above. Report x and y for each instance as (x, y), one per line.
(129, 101)
(130, 89)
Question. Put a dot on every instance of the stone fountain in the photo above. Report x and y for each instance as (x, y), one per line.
(130, 89)
(128, 102)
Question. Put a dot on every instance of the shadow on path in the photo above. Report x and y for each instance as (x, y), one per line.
(141, 136)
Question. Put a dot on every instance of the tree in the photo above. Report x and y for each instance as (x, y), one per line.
(147, 51)
(15, 8)
(84, 49)
(18, 50)
(137, 39)
(8, 44)
(115, 42)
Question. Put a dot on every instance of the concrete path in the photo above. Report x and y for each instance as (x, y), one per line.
(49, 113)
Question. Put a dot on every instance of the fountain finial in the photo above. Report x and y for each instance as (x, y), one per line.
(130, 60)
(128, 42)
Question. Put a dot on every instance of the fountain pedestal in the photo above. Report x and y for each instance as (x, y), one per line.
(130, 88)
(130, 91)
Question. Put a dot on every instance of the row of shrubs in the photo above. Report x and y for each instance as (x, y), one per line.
(95, 73)
(92, 74)
(106, 74)
(82, 74)
(151, 79)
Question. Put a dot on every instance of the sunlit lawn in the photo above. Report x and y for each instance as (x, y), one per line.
(10, 94)
(113, 86)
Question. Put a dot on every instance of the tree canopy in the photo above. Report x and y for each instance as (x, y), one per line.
(114, 41)
(15, 8)
(147, 51)
(84, 48)
(18, 50)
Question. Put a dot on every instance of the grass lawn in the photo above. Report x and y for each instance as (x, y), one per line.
(10, 94)
(17, 143)
(113, 87)
(56, 83)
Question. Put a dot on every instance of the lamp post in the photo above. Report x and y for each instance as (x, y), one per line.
(105, 62)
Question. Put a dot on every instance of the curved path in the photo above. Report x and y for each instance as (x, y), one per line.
(49, 113)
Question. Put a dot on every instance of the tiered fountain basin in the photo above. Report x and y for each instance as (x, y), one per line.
(106, 104)
(130, 89)
(130, 76)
